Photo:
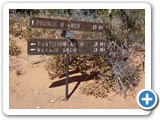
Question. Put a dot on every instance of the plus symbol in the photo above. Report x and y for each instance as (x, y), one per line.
(147, 99)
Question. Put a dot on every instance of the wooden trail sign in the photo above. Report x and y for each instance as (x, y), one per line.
(66, 24)
(63, 46)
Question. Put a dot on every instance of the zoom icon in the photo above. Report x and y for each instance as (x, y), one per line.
(147, 99)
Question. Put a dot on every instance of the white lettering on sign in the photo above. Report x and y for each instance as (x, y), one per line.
(54, 24)
(46, 50)
(71, 44)
(94, 27)
(38, 50)
(67, 50)
(100, 27)
(38, 43)
(42, 50)
(50, 44)
(59, 44)
(63, 46)
(45, 23)
(80, 44)
(102, 43)
(44, 44)
(64, 50)
(50, 50)
(99, 46)
(95, 50)
(50, 23)
(66, 24)
(75, 25)
(53, 50)
(72, 50)
(32, 22)
(53, 44)
(102, 49)
(62, 25)
(95, 44)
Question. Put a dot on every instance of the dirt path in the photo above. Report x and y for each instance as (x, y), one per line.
(33, 88)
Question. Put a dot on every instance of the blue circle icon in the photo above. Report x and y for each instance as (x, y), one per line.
(147, 99)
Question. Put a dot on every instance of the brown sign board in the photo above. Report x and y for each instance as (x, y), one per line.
(66, 24)
(63, 46)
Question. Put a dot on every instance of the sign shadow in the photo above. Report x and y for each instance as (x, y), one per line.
(77, 78)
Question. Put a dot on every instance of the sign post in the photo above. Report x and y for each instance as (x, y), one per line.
(66, 46)
(67, 74)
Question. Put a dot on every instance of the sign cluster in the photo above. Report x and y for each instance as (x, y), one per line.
(63, 46)
(66, 46)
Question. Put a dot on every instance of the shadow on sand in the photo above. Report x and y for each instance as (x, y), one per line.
(78, 79)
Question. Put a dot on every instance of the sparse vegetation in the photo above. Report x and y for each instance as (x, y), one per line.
(98, 89)
(18, 71)
(14, 50)
(56, 66)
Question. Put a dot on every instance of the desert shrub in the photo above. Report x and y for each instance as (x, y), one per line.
(24, 12)
(56, 66)
(98, 89)
(14, 50)
(125, 77)
(85, 64)
(102, 88)
(39, 33)
(17, 26)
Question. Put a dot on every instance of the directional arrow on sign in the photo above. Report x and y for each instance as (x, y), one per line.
(32, 44)
(32, 49)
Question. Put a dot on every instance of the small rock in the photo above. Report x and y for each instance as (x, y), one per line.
(36, 91)
(51, 101)
(38, 107)
(62, 99)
